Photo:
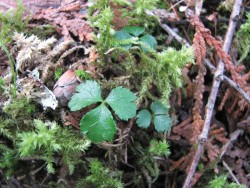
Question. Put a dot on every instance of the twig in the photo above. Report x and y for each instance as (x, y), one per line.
(238, 88)
(229, 82)
(220, 69)
(230, 172)
(34, 172)
(232, 139)
(185, 22)
(207, 62)
(68, 52)
(213, 94)
(174, 34)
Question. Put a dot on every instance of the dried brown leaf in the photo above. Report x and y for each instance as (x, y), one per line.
(199, 46)
(68, 20)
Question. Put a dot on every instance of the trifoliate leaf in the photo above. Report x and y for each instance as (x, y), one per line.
(162, 123)
(150, 41)
(122, 101)
(87, 93)
(98, 124)
(123, 35)
(143, 119)
(158, 108)
(134, 30)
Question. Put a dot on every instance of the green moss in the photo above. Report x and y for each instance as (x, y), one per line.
(1, 85)
(145, 67)
(101, 176)
(7, 160)
(58, 73)
(48, 139)
(159, 148)
(138, 16)
(83, 74)
(20, 108)
(17, 116)
(146, 163)
(164, 70)
(43, 31)
(243, 37)
(221, 182)
(9, 23)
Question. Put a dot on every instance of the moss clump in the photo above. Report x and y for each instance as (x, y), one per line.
(47, 139)
(243, 36)
(221, 182)
(101, 176)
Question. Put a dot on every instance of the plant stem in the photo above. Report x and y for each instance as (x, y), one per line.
(12, 66)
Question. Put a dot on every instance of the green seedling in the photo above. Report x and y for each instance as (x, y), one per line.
(133, 35)
(158, 115)
(99, 124)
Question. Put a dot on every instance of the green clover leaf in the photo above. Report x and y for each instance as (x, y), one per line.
(143, 119)
(134, 30)
(149, 41)
(98, 124)
(161, 120)
(122, 101)
(87, 93)
(162, 123)
(123, 35)
(158, 108)
(131, 34)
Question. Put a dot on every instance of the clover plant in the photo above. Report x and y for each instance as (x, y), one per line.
(158, 115)
(133, 35)
(99, 124)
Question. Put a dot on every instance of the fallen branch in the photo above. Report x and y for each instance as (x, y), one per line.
(230, 172)
(213, 94)
(207, 62)
(233, 138)
(228, 81)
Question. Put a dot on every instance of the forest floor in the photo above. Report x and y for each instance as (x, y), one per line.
(198, 97)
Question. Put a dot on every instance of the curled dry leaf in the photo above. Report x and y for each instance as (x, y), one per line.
(68, 19)
(65, 87)
(73, 119)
